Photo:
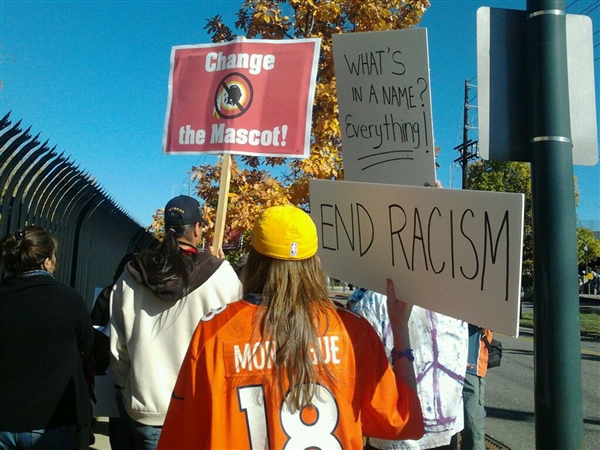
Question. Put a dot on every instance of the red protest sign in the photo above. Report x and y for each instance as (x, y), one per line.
(251, 97)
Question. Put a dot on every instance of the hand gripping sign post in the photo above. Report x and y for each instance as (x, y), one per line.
(249, 97)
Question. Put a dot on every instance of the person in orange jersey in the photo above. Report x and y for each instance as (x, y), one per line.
(284, 367)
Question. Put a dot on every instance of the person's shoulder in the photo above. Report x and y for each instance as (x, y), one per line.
(51, 283)
(228, 311)
(358, 329)
(218, 269)
(350, 317)
(73, 295)
(206, 262)
(342, 310)
(220, 325)
(234, 315)
(201, 256)
(64, 295)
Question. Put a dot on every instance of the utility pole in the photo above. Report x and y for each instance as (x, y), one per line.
(468, 148)
(557, 348)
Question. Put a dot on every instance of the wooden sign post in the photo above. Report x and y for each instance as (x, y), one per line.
(222, 204)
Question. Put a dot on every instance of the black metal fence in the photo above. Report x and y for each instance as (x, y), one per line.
(43, 188)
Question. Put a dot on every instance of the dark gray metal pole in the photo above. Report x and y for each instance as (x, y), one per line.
(558, 407)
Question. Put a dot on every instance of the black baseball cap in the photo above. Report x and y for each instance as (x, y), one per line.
(183, 210)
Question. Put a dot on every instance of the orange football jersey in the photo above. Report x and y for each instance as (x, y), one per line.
(225, 397)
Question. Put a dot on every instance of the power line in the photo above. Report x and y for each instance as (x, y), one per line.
(594, 8)
(586, 11)
(590, 8)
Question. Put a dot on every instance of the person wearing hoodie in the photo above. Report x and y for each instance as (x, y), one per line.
(46, 336)
(156, 305)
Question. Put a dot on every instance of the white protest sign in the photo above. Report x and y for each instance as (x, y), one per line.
(385, 106)
(454, 252)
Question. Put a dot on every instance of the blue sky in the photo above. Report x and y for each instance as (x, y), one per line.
(92, 76)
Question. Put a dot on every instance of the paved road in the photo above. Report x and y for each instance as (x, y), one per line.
(510, 404)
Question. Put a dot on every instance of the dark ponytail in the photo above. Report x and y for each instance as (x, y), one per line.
(165, 263)
(26, 249)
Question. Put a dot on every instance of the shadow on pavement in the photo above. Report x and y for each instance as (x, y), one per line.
(510, 414)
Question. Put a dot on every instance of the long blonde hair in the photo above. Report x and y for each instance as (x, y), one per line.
(294, 312)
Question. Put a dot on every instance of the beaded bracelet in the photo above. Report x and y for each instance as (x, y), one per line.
(397, 354)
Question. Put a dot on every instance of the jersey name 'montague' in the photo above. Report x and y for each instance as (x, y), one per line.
(259, 356)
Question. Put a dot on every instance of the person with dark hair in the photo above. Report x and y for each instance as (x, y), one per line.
(46, 337)
(284, 367)
(120, 432)
(155, 307)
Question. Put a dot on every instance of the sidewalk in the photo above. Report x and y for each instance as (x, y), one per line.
(101, 434)
(102, 443)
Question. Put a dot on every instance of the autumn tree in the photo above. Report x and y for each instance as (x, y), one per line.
(509, 176)
(258, 182)
(588, 259)
(158, 224)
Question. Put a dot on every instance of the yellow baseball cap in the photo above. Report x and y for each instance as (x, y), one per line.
(285, 232)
